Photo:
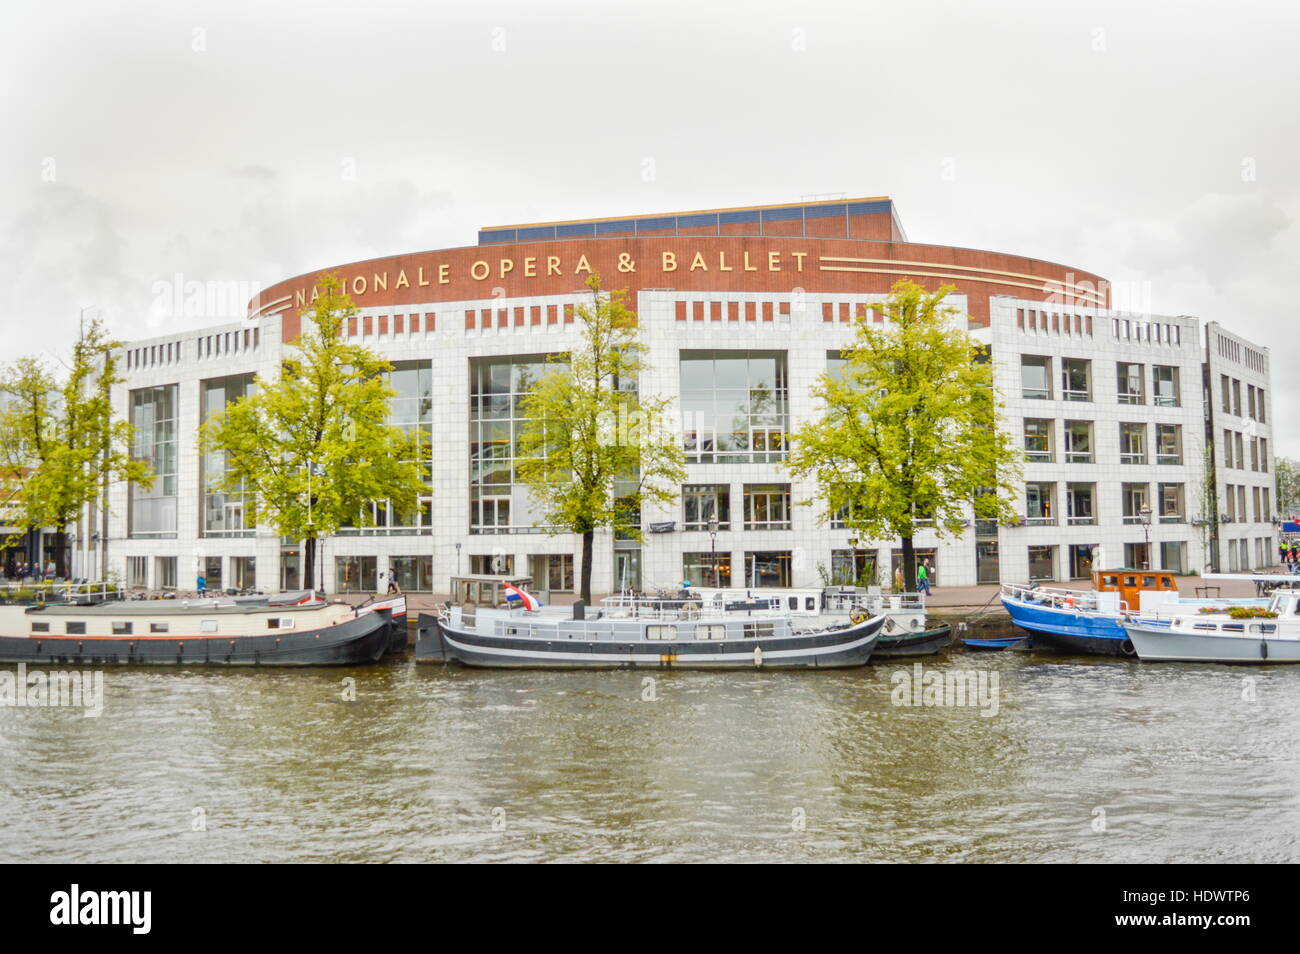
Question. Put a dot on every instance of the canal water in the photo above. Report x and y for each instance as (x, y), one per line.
(1060, 760)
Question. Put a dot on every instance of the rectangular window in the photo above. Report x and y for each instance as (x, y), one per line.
(1040, 504)
(243, 572)
(703, 502)
(356, 574)
(1239, 442)
(40, 627)
(1080, 500)
(1132, 443)
(1137, 556)
(767, 568)
(559, 572)
(159, 627)
(1076, 379)
(137, 571)
(853, 567)
(1042, 563)
(1129, 383)
(76, 629)
(1081, 560)
(122, 628)
(1236, 397)
(707, 569)
(498, 389)
(1169, 443)
(165, 568)
(711, 631)
(1254, 453)
(226, 513)
(1038, 439)
(1036, 377)
(1225, 393)
(152, 511)
(414, 573)
(1173, 556)
(1165, 386)
(487, 564)
(1078, 442)
(1227, 448)
(735, 406)
(767, 506)
(1171, 503)
(1137, 503)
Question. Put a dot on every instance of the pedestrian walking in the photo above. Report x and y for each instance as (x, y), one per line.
(201, 585)
(392, 582)
(898, 579)
(923, 578)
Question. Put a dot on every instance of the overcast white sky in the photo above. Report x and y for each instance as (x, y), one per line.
(1157, 144)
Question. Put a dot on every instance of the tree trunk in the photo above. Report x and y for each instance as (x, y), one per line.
(588, 539)
(60, 547)
(309, 564)
(909, 566)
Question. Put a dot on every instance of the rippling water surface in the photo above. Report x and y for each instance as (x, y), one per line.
(1172, 761)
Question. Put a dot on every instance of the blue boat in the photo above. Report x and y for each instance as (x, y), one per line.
(999, 642)
(1090, 622)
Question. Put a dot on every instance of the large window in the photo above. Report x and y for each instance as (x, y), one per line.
(1129, 383)
(1169, 443)
(1076, 379)
(707, 569)
(243, 572)
(1137, 503)
(1164, 386)
(411, 412)
(559, 573)
(1081, 560)
(1173, 556)
(853, 567)
(1036, 377)
(414, 573)
(767, 506)
(497, 504)
(1042, 563)
(735, 406)
(1080, 500)
(1132, 443)
(1078, 442)
(153, 417)
(355, 574)
(702, 502)
(767, 568)
(1040, 504)
(224, 514)
(1038, 439)
(1171, 503)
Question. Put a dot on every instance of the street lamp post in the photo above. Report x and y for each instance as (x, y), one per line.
(713, 548)
(1145, 514)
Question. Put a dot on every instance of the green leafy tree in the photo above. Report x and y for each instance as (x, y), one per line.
(1287, 474)
(908, 434)
(593, 449)
(314, 447)
(59, 443)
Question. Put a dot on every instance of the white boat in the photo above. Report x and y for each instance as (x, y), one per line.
(1270, 634)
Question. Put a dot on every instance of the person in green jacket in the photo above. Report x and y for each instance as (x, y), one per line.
(923, 577)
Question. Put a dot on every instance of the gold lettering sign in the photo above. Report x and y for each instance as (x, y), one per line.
(557, 265)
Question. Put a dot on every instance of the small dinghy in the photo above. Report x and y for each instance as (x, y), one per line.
(998, 642)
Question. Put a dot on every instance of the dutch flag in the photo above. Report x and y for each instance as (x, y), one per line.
(517, 598)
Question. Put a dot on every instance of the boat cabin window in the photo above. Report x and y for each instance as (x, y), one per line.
(121, 628)
(661, 632)
(711, 631)
(810, 602)
(794, 602)
(40, 627)
(1110, 581)
(1130, 581)
(208, 626)
(76, 629)
(280, 622)
(1148, 582)
(159, 627)
(753, 630)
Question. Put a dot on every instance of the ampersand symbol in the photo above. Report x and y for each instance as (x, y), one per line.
(625, 263)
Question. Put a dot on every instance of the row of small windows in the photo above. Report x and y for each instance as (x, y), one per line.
(1081, 503)
(1041, 322)
(1076, 381)
(1234, 504)
(1230, 399)
(1236, 441)
(1079, 446)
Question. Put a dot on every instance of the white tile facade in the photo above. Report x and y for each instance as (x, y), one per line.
(799, 326)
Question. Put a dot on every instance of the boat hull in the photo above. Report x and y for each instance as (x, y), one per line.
(1071, 631)
(1161, 644)
(837, 649)
(352, 642)
(925, 643)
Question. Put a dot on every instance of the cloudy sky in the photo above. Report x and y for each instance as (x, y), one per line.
(1155, 143)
